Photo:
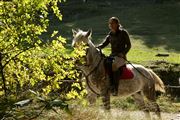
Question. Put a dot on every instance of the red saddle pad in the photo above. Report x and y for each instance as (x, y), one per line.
(127, 73)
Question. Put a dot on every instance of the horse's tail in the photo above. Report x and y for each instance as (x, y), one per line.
(159, 85)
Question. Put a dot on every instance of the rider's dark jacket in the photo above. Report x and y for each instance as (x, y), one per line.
(120, 42)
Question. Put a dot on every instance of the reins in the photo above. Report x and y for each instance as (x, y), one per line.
(94, 68)
(87, 79)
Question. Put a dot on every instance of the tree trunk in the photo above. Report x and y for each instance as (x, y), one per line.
(2, 75)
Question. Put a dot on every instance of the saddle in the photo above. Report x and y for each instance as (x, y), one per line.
(125, 72)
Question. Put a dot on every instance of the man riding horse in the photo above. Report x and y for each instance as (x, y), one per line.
(118, 37)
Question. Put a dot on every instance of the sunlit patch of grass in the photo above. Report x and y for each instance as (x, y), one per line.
(92, 113)
(165, 102)
(142, 54)
(168, 105)
(78, 113)
(124, 103)
(97, 113)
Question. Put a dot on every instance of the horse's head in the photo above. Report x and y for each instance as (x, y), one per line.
(80, 36)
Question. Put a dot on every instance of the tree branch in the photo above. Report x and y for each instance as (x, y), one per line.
(13, 58)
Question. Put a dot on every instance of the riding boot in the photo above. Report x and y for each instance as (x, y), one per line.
(108, 65)
(115, 82)
(111, 80)
(116, 77)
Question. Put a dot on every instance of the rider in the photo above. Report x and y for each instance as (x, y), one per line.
(118, 37)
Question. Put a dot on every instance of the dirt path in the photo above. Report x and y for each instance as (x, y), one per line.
(117, 114)
(100, 114)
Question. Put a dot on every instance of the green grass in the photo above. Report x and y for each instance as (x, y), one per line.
(142, 54)
(154, 28)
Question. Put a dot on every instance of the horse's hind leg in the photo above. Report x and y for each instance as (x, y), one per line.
(155, 107)
(151, 96)
(138, 97)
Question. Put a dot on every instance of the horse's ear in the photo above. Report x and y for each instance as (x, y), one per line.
(74, 32)
(89, 32)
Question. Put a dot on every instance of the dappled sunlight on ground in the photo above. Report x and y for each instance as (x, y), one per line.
(97, 113)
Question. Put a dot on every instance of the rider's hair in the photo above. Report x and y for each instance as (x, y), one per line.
(115, 19)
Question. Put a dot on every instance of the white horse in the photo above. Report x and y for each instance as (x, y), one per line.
(144, 83)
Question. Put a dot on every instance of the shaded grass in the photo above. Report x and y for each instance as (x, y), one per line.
(154, 28)
(157, 25)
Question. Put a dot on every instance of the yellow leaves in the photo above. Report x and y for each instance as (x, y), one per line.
(42, 3)
(32, 81)
(76, 85)
(57, 45)
(56, 9)
(23, 22)
(60, 38)
(80, 50)
(27, 15)
(1, 93)
(47, 89)
(54, 33)
(72, 94)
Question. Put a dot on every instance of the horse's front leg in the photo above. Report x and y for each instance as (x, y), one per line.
(91, 97)
(105, 93)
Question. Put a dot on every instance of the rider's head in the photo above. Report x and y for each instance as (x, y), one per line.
(114, 24)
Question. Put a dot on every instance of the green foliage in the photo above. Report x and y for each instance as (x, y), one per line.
(21, 24)
(26, 59)
(32, 108)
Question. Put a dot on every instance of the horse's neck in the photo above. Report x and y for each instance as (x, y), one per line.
(90, 57)
(91, 44)
(92, 53)
(96, 68)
